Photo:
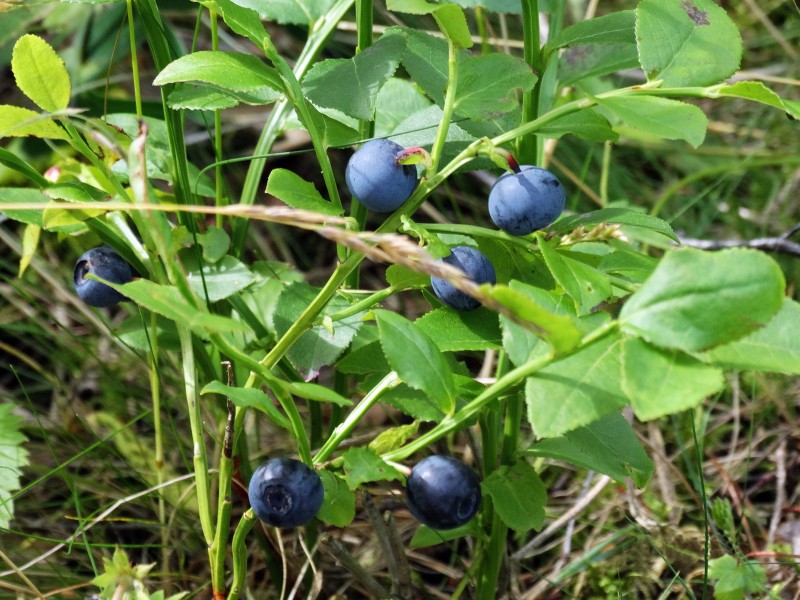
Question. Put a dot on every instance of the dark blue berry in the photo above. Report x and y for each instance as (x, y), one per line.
(442, 492)
(285, 493)
(106, 264)
(475, 265)
(520, 203)
(375, 178)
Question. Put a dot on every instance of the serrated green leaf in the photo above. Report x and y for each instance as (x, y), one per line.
(660, 117)
(217, 280)
(577, 390)
(362, 465)
(695, 300)
(352, 85)
(22, 122)
(13, 457)
(453, 24)
(686, 42)
(414, 403)
(417, 359)
(339, 503)
(402, 278)
(396, 101)
(488, 85)
(735, 578)
(587, 286)
(187, 96)
(455, 331)
(585, 124)
(608, 446)
(10, 195)
(661, 382)
(518, 496)
(296, 192)
(758, 92)
(40, 73)
(290, 12)
(242, 17)
(425, 59)
(773, 348)
(394, 437)
(614, 28)
(249, 398)
(595, 60)
(30, 241)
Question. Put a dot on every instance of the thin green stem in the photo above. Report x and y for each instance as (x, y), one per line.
(364, 303)
(239, 550)
(137, 92)
(219, 547)
(219, 191)
(448, 108)
(527, 144)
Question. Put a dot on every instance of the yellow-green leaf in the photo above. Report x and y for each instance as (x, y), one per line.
(16, 121)
(40, 73)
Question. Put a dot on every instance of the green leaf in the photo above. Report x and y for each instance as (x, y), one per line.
(660, 117)
(587, 286)
(30, 242)
(394, 437)
(290, 12)
(455, 331)
(319, 346)
(417, 359)
(735, 578)
(518, 496)
(502, 6)
(488, 85)
(22, 122)
(133, 333)
(401, 278)
(695, 300)
(15, 163)
(585, 124)
(167, 301)
(686, 42)
(535, 306)
(614, 28)
(396, 101)
(13, 457)
(425, 59)
(318, 393)
(215, 243)
(453, 24)
(608, 446)
(249, 398)
(616, 216)
(219, 280)
(412, 7)
(242, 17)
(757, 92)
(414, 403)
(362, 465)
(662, 382)
(577, 390)
(296, 192)
(242, 74)
(10, 195)
(339, 503)
(774, 348)
(40, 73)
(187, 96)
(352, 85)
(425, 536)
(594, 60)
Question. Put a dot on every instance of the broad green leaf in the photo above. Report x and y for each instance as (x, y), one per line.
(13, 457)
(695, 300)
(396, 101)
(632, 265)
(661, 382)
(30, 242)
(217, 280)
(15, 163)
(757, 92)
(352, 85)
(686, 42)
(577, 390)
(228, 71)
(401, 278)
(320, 346)
(661, 117)
(10, 195)
(488, 85)
(241, 18)
(416, 358)
(394, 437)
(249, 398)
(613, 28)
(215, 243)
(316, 392)
(736, 579)
(22, 122)
(187, 96)
(365, 359)
(585, 124)
(453, 24)
(455, 331)
(412, 7)
(425, 59)
(534, 306)
(40, 73)
(616, 216)
(414, 403)
(587, 286)
(421, 130)
(426, 536)
(167, 301)
(290, 12)
(774, 348)
(595, 60)
(608, 446)
(339, 503)
(296, 192)
(362, 465)
(132, 332)
(71, 191)
(518, 496)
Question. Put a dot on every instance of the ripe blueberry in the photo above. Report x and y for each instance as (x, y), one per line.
(108, 265)
(375, 178)
(285, 493)
(522, 202)
(475, 265)
(442, 492)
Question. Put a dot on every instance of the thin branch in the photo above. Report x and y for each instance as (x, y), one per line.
(778, 245)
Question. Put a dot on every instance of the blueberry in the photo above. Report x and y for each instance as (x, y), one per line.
(520, 203)
(106, 264)
(375, 178)
(476, 266)
(285, 493)
(442, 492)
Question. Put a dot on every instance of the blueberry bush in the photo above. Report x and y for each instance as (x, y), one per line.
(269, 304)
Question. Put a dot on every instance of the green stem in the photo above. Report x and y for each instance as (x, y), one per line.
(449, 106)
(343, 431)
(239, 550)
(527, 144)
(218, 548)
(218, 180)
(137, 92)
(364, 304)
